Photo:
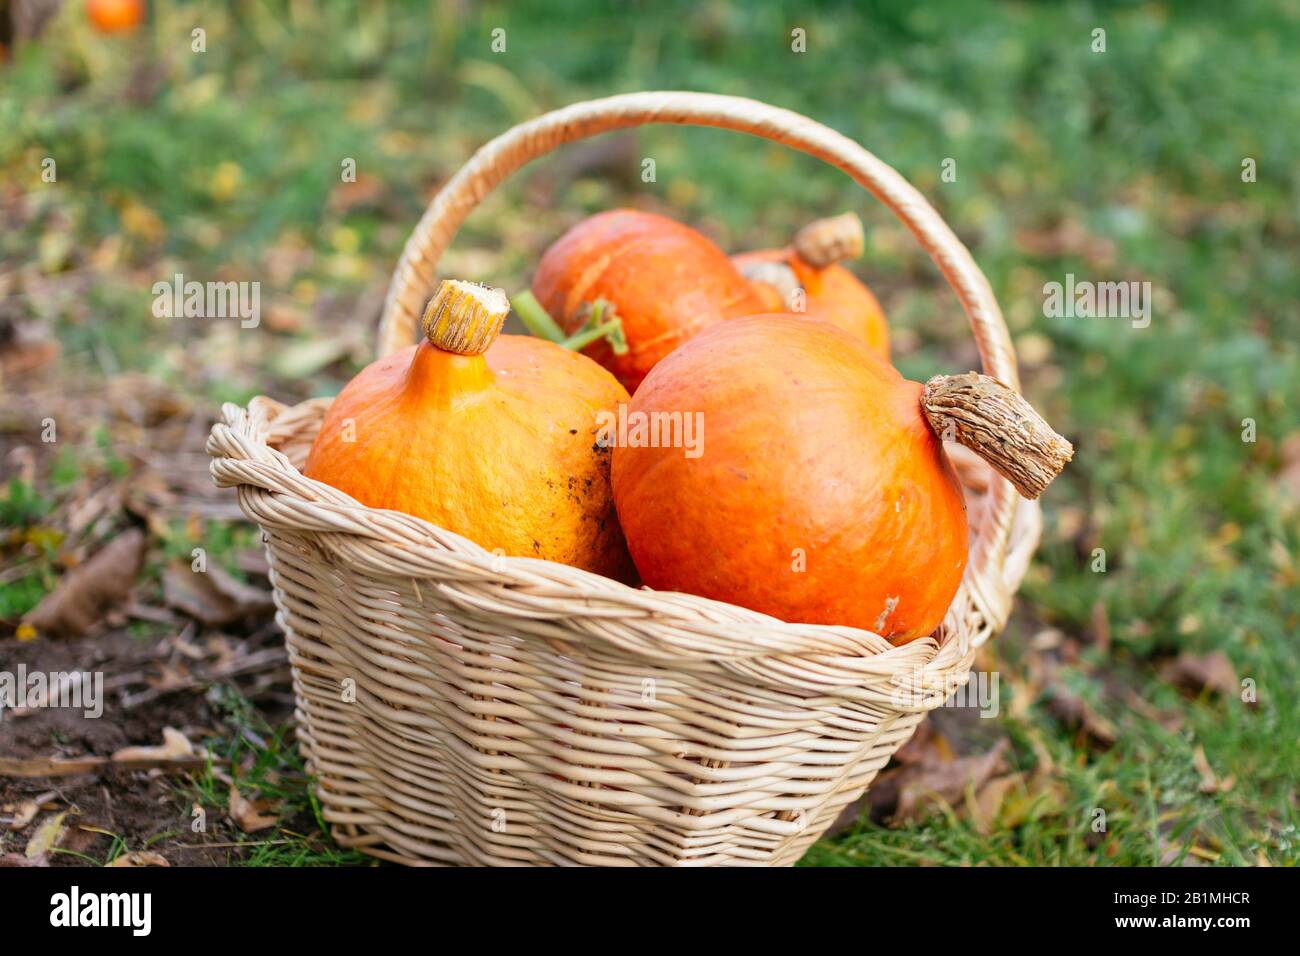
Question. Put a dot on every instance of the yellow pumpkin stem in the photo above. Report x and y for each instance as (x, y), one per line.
(825, 242)
(465, 317)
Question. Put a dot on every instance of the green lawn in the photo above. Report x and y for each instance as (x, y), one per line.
(1125, 164)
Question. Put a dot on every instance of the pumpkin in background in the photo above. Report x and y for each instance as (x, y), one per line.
(806, 277)
(818, 491)
(115, 16)
(664, 280)
(490, 436)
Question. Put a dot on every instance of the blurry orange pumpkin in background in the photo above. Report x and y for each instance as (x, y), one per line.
(115, 16)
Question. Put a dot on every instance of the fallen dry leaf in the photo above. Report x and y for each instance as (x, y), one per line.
(1073, 711)
(1099, 629)
(921, 786)
(175, 744)
(145, 401)
(247, 814)
(17, 859)
(140, 858)
(986, 808)
(927, 745)
(46, 837)
(1067, 238)
(26, 811)
(1043, 795)
(48, 766)
(25, 349)
(82, 595)
(1210, 781)
(213, 597)
(1195, 673)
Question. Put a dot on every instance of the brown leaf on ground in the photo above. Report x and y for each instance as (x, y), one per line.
(25, 812)
(1210, 781)
(1196, 673)
(1074, 712)
(20, 357)
(1067, 238)
(986, 809)
(29, 767)
(247, 814)
(82, 595)
(1044, 795)
(213, 597)
(49, 766)
(928, 767)
(1099, 629)
(926, 745)
(175, 744)
(922, 786)
(1170, 720)
(140, 858)
(46, 837)
(145, 401)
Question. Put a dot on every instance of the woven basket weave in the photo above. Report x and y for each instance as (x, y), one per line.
(459, 707)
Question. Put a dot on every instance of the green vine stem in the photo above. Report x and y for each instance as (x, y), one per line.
(601, 323)
(536, 319)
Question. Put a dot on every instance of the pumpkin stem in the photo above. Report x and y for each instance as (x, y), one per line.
(535, 318)
(779, 276)
(600, 323)
(996, 423)
(465, 317)
(824, 242)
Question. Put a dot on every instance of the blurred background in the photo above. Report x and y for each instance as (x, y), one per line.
(1148, 704)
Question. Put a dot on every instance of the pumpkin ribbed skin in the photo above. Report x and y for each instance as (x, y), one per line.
(834, 294)
(665, 280)
(498, 447)
(813, 446)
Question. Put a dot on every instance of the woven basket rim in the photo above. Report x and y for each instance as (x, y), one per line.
(375, 540)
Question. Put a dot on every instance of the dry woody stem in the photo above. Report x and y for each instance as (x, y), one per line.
(779, 276)
(996, 423)
(827, 241)
(465, 317)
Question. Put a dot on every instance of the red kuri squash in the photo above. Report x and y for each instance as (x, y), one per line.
(665, 281)
(817, 489)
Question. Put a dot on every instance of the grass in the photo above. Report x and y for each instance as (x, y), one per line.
(1125, 164)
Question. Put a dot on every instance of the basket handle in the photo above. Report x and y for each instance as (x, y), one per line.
(414, 280)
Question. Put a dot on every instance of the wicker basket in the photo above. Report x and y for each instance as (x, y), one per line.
(463, 708)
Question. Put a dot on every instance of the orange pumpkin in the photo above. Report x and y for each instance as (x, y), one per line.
(818, 490)
(115, 16)
(490, 436)
(807, 277)
(665, 281)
